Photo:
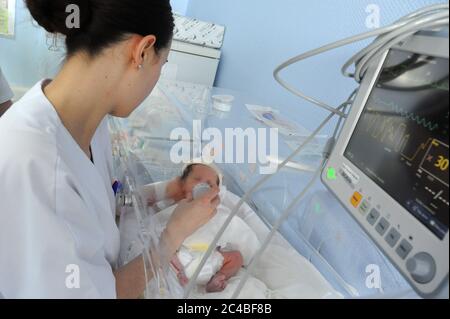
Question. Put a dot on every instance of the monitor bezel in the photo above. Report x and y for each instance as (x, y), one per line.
(427, 45)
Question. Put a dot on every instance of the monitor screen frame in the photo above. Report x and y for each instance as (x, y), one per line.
(423, 238)
(358, 153)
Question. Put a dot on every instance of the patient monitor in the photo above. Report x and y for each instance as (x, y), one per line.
(390, 166)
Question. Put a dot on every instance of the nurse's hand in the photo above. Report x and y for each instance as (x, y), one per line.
(190, 215)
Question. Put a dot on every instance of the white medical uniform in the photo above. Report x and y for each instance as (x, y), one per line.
(56, 207)
(5, 91)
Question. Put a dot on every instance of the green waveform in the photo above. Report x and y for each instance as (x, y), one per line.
(422, 121)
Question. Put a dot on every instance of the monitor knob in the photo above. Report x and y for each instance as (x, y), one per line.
(422, 268)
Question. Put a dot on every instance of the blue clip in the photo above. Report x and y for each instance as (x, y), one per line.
(117, 186)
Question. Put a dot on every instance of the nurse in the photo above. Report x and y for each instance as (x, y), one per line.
(58, 237)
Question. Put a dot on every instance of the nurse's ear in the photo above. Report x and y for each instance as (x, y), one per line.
(144, 51)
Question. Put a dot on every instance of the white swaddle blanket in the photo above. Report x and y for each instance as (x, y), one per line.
(237, 237)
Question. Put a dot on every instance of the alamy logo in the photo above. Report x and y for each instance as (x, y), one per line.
(73, 279)
(373, 20)
(373, 280)
(232, 147)
(73, 20)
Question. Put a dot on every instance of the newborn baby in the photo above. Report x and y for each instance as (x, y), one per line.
(236, 247)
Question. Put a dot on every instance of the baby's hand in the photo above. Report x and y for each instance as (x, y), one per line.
(182, 278)
(175, 190)
(181, 275)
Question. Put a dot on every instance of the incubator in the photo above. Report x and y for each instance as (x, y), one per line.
(354, 234)
(319, 252)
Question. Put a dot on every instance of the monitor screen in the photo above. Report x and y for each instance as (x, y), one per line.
(401, 139)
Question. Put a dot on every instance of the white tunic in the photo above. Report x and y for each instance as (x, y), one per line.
(58, 236)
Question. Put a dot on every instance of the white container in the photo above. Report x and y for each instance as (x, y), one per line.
(223, 103)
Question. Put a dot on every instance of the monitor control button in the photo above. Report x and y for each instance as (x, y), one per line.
(422, 268)
(404, 249)
(382, 226)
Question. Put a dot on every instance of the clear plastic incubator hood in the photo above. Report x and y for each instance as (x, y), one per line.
(350, 234)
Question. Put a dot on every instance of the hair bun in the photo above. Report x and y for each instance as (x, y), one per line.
(55, 15)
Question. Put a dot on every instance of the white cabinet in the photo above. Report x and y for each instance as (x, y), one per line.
(192, 63)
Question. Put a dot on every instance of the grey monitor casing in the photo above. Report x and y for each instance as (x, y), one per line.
(409, 227)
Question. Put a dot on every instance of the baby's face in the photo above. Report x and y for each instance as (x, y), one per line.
(200, 174)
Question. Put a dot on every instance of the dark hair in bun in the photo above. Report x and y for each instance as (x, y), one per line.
(104, 22)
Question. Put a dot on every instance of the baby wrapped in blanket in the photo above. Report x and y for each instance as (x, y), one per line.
(234, 250)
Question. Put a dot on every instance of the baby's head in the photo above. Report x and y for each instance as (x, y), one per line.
(196, 174)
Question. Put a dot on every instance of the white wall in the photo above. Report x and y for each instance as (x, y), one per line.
(180, 6)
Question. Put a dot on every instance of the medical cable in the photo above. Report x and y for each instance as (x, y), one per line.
(429, 17)
(286, 213)
(262, 181)
(422, 19)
